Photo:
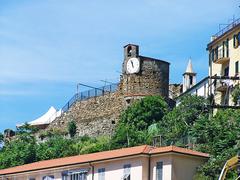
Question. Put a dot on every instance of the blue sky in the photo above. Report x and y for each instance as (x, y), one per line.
(48, 46)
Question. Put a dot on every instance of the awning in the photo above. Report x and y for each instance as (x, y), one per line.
(78, 171)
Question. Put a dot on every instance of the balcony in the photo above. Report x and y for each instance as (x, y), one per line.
(223, 85)
(221, 57)
(222, 60)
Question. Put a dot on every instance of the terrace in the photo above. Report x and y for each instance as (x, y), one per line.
(228, 28)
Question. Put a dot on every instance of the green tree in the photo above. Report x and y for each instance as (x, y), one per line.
(87, 145)
(1, 141)
(176, 124)
(132, 128)
(236, 94)
(21, 150)
(72, 128)
(219, 136)
(1, 138)
(141, 114)
(55, 147)
(26, 129)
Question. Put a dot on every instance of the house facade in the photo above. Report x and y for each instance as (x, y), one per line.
(223, 76)
(135, 163)
(224, 57)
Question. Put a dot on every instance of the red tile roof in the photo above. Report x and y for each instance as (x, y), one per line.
(100, 156)
(178, 150)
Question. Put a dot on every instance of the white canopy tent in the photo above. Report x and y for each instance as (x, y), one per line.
(46, 118)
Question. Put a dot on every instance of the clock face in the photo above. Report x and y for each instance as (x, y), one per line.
(133, 65)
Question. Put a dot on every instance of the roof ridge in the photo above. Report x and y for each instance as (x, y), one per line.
(99, 156)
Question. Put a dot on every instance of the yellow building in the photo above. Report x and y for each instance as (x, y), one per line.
(224, 57)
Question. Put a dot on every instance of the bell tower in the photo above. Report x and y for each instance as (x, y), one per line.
(143, 76)
(130, 51)
(189, 77)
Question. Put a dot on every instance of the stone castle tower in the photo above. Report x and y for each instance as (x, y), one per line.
(142, 76)
(98, 115)
(189, 77)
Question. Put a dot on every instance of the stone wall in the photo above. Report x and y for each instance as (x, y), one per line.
(153, 78)
(175, 90)
(95, 116)
(99, 115)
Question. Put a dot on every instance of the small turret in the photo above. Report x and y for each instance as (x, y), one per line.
(189, 77)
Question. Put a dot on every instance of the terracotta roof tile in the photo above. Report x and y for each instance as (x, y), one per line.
(178, 150)
(106, 155)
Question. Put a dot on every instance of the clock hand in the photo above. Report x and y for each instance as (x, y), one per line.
(132, 64)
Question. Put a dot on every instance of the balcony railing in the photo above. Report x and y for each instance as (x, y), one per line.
(221, 57)
(227, 28)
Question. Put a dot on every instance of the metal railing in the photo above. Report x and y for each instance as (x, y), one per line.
(184, 141)
(227, 28)
(94, 92)
(84, 95)
(221, 54)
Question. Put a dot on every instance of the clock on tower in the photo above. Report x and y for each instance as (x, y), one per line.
(143, 76)
(133, 65)
(132, 62)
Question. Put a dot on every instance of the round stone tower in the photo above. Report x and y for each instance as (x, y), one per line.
(142, 76)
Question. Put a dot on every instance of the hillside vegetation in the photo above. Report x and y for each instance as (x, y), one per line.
(190, 124)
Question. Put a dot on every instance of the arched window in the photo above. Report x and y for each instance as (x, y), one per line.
(129, 51)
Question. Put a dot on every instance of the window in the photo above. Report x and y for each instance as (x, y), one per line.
(226, 71)
(101, 174)
(238, 39)
(48, 178)
(127, 172)
(191, 80)
(212, 55)
(75, 175)
(235, 43)
(129, 51)
(159, 171)
(227, 47)
(216, 53)
(223, 49)
(236, 67)
(64, 175)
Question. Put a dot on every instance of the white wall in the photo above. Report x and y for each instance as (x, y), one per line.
(114, 170)
(185, 167)
(167, 166)
(175, 167)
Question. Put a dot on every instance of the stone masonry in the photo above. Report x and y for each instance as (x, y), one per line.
(99, 115)
(95, 116)
(153, 79)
